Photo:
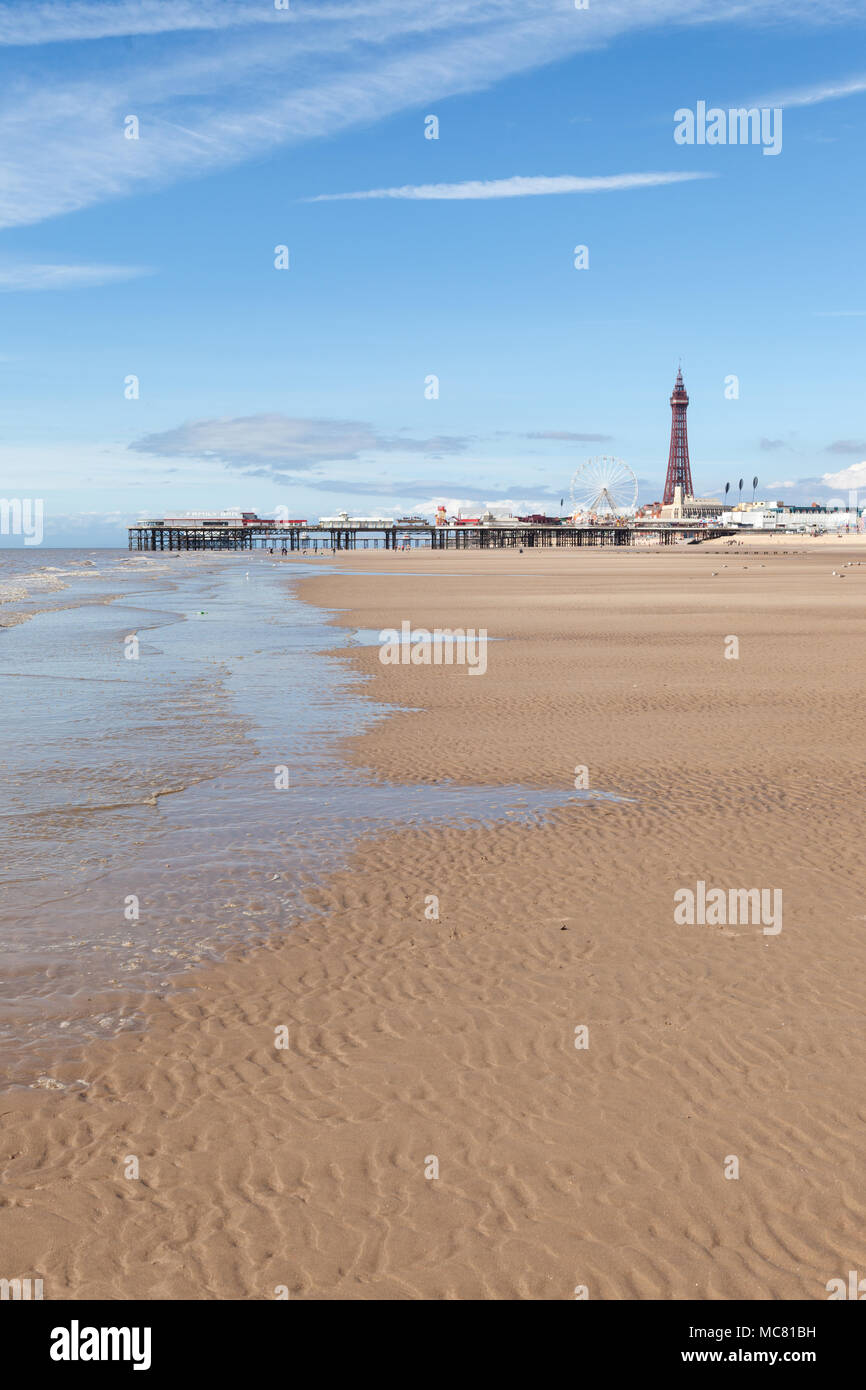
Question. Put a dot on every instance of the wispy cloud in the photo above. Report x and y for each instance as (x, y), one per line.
(282, 443)
(833, 90)
(518, 187)
(568, 436)
(66, 277)
(29, 25)
(311, 72)
(847, 446)
(413, 489)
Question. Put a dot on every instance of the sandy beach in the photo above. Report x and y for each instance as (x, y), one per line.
(582, 1067)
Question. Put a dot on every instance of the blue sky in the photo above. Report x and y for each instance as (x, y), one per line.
(305, 388)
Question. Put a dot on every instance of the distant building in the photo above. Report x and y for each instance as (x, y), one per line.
(358, 522)
(690, 508)
(203, 520)
(769, 516)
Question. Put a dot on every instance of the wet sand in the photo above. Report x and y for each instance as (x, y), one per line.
(409, 1039)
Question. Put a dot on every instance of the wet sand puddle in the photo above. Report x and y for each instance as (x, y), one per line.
(165, 804)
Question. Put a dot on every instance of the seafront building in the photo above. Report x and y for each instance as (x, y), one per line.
(688, 508)
(778, 516)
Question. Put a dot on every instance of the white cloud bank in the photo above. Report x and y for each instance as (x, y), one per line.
(851, 478)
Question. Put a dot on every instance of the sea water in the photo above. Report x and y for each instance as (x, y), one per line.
(172, 778)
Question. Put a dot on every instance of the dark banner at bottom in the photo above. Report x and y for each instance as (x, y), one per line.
(63, 1339)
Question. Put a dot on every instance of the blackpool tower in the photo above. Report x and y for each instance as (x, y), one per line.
(679, 471)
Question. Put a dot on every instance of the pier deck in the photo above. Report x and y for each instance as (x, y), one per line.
(283, 539)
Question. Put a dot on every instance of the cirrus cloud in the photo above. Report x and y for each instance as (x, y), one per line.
(817, 94)
(567, 436)
(77, 20)
(66, 277)
(310, 72)
(519, 186)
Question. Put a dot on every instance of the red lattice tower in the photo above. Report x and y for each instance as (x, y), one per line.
(679, 469)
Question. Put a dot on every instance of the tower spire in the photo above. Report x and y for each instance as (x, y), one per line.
(679, 469)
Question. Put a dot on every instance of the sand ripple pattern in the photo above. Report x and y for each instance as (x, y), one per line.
(305, 1167)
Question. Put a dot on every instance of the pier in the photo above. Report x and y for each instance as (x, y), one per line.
(288, 537)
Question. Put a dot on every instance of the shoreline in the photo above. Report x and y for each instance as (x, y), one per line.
(411, 1037)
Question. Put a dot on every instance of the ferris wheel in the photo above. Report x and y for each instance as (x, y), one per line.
(604, 484)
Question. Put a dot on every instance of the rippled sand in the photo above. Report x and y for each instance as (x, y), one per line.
(411, 1039)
